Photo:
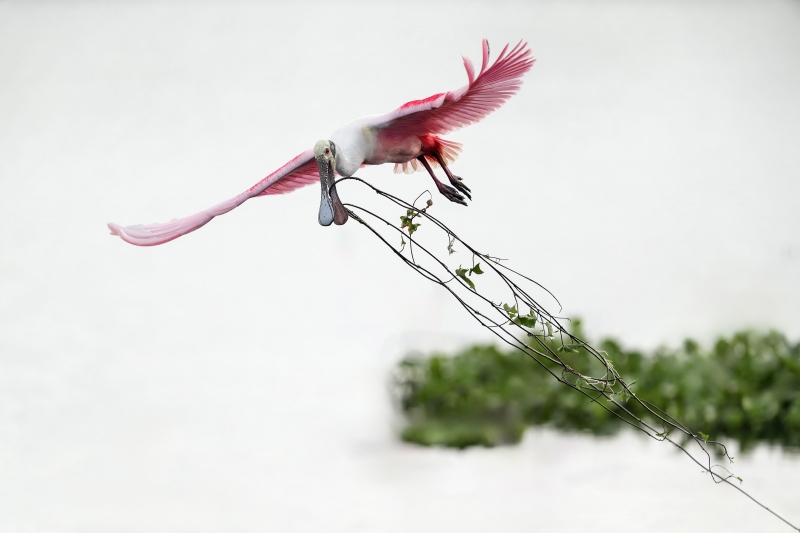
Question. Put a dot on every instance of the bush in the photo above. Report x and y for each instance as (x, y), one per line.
(746, 387)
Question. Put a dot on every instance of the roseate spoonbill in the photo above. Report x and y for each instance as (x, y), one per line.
(407, 137)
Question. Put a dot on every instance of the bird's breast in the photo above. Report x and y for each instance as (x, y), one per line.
(391, 147)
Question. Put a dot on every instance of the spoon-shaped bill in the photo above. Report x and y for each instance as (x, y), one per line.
(331, 209)
(339, 212)
(325, 202)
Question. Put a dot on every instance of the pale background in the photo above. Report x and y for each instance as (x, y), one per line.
(235, 379)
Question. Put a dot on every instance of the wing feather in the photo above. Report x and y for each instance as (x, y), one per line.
(300, 171)
(436, 114)
(483, 94)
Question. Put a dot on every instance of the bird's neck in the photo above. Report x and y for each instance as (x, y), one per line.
(345, 166)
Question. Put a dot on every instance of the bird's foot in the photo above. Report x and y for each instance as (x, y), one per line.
(459, 184)
(451, 193)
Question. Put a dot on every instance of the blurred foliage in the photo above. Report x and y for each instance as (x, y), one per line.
(746, 387)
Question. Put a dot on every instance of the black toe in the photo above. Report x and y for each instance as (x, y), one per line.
(458, 183)
(452, 194)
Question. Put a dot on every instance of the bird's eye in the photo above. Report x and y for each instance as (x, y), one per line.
(327, 151)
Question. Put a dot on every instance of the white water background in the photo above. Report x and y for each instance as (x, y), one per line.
(648, 173)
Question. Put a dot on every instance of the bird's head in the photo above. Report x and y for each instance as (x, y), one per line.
(325, 150)
(330, 207)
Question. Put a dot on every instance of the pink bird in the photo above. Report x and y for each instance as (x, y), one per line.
(407, 137)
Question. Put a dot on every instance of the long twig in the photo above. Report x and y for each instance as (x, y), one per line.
(528, 332)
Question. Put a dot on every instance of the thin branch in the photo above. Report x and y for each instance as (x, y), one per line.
(529, 335)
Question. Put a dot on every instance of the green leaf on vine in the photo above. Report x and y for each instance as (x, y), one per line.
(462, 273)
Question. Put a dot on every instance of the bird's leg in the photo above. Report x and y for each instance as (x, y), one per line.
(455, 180)
(447, 191)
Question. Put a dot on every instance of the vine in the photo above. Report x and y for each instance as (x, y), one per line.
(520, 321)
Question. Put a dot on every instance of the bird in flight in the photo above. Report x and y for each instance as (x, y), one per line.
(409, 137)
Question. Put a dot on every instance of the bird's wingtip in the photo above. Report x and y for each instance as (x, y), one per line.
(137, 235)
(121, 232)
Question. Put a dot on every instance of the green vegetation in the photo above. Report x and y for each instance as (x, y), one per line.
(746, 387)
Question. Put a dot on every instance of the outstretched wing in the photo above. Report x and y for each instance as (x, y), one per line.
(300, 171)
(449, 111)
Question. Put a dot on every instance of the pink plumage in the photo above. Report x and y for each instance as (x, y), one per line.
(408, 137)
(445, 112)
(300, 171)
